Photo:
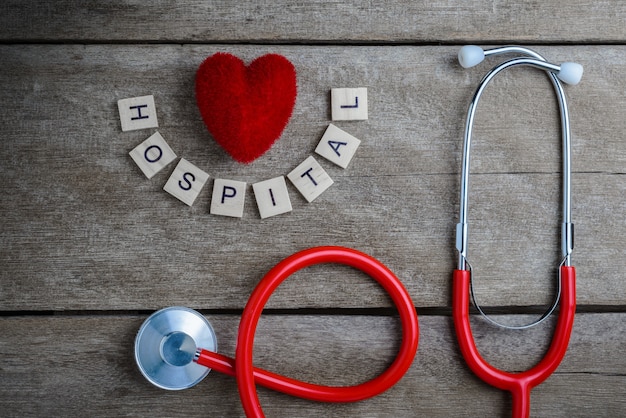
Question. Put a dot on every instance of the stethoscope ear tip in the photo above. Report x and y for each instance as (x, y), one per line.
(471, 55)
(570, 73)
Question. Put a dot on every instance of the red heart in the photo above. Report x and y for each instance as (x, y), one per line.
(246, 109)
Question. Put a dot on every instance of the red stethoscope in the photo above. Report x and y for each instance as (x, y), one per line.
(176, 347)
(519, 384)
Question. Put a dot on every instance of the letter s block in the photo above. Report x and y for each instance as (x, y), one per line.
(186, 182)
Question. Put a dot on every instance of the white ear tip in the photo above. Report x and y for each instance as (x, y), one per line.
(570, 73)
(471, 55)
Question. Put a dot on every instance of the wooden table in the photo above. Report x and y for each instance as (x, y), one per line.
(90, 246)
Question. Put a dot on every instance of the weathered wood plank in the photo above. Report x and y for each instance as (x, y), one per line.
(83, 229)
(318, 21)
(66, 365)
(419, 96)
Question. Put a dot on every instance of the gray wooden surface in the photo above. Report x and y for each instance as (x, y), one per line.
(90, 247)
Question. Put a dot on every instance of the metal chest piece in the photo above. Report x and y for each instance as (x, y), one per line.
(166, 344)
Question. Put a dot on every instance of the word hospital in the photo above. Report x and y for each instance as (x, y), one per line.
(228, 197)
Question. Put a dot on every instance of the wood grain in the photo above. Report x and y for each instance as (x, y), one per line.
(66, 365)
(83, 228)
(455, 21)
(89, 246)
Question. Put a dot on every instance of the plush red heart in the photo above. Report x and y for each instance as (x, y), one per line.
(246, 108)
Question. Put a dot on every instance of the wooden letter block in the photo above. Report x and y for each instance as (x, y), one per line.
(186, 182)
(310, 179)
(272, 197)
(228, 198)
(349, 104)
(152, 155)
(137, 113)
(337, 146)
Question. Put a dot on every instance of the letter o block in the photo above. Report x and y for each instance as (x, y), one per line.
(152, 155)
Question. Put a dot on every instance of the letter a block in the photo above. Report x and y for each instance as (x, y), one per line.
(152, 155)
(310, 179)
(186, 182)
(137, 113)
(228, 198)
(272, 197)
(337, 146)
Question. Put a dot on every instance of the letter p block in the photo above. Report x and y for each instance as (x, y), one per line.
(228, 198)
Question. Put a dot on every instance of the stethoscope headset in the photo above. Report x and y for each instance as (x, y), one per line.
(519, 384)
(176, 347)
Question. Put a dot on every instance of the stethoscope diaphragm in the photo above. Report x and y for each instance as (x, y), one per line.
(166, 344)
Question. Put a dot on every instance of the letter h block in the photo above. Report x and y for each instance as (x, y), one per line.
(137, 113)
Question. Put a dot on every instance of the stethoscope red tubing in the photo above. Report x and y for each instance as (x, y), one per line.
(248, 376)
(519, 384)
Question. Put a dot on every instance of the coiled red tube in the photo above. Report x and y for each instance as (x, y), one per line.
(247, 375)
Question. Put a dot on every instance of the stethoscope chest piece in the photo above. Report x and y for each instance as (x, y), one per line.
(166, 344)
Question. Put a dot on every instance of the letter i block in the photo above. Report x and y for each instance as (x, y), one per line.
(186, 182)
(272, 197)
(337, 146)
(152, 155)
(310, 179)
(228, 198)
(137, 113)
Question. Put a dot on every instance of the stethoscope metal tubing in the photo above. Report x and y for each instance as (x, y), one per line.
(567, 228)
